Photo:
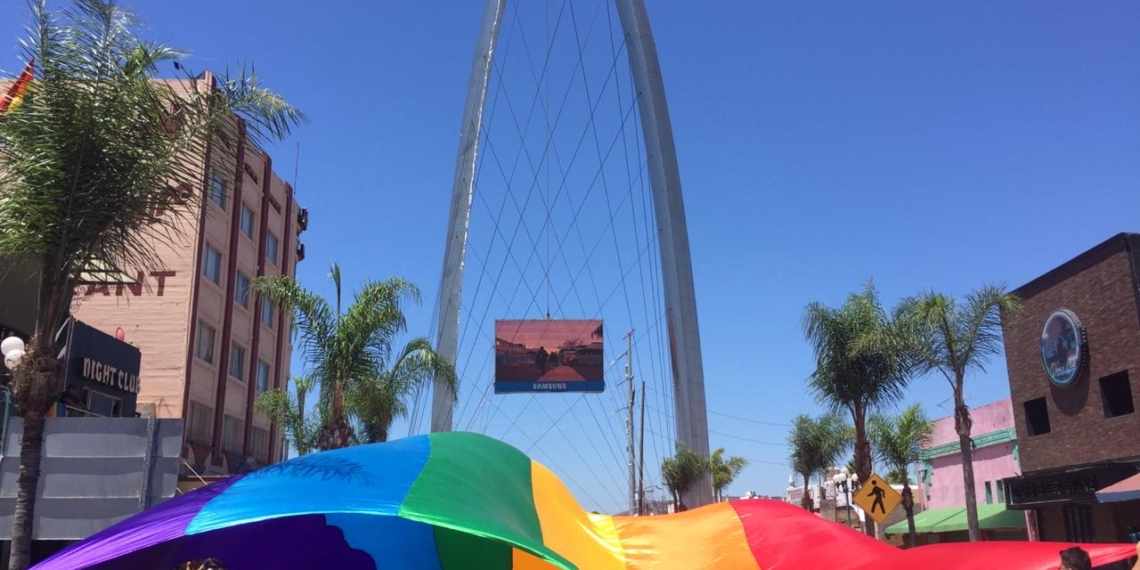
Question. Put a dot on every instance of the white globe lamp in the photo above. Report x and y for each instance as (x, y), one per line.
(11, 344)
(12, 359)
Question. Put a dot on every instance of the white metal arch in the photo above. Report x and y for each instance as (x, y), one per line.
(669, 211)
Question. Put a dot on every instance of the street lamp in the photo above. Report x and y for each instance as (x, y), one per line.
(13, 350)
(846, 482)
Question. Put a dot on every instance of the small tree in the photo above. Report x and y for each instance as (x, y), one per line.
(377, 401)
(898, 442)
(952, 339)
(816, 445)
(681, 472)
(288, 409)
(350, 352)
(724, 470)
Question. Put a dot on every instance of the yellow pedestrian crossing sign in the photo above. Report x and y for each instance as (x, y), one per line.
(877, 498)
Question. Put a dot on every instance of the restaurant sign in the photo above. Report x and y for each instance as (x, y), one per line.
(1062, 347)
(1063, 486)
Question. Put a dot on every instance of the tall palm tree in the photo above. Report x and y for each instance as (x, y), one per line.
(288, 409)
(349, 350)
(724, 470)
(681, 472)
(88, 158)
(852, 374)
(898, 442)
(952, 339)
(816, 445)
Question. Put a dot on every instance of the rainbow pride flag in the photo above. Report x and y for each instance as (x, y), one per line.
(464, 501)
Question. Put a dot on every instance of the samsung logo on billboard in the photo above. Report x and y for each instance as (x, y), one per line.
(109, 375)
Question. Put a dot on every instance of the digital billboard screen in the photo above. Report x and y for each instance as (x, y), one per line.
(549, 356)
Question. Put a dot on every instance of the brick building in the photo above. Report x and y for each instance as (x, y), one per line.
(1071, 353)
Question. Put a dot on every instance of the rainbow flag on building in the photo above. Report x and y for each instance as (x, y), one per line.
(15, 95)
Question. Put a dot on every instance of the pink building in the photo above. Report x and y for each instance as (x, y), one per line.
(941, 488)
(209, 345)
(995, 458)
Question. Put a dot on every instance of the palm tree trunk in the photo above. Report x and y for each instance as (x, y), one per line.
(908, 506)
(34, 385)
(31, 449)
(863, 465)
(963, 425)
(806, 500)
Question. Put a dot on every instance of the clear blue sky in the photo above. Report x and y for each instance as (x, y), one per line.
(925, 145)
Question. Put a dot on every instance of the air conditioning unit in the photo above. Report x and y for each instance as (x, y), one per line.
(300, 252)
(303, 219)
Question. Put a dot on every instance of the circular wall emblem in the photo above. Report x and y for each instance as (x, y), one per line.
(1062, 347)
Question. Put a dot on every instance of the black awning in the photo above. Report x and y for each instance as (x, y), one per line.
(1074, 484)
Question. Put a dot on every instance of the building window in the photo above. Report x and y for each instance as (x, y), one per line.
(212, 265)
(1001, 491)
(989, 493)
(1078, 523)
(262, 376)
(201, 422)
(1116, 395)
(102, 405)
(271, 249)
(241, 290)
(232, 434)
(205, 347)
(261, 445)
(218, 189)
(1037, 416)
(237, 362)
(246, 220)
(267, 313)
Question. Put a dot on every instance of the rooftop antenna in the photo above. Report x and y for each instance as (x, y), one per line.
(296, 166)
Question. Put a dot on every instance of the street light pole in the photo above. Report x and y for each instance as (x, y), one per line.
(846, 481)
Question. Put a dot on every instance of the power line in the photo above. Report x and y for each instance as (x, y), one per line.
(749, 439)
(749, 420)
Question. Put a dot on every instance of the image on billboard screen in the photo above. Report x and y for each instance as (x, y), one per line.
(549, 356)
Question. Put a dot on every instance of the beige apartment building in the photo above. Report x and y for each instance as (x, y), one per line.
(209, 345)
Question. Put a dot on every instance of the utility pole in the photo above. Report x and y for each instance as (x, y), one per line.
(641, 457)
(629, 421)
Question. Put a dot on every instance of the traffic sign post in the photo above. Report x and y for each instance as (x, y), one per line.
(877, 498)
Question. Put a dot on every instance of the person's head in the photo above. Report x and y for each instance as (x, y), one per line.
(1075, 558)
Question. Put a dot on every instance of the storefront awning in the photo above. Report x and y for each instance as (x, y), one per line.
(924, 522)
(951, 519)
(1126, 490)
(990, 517)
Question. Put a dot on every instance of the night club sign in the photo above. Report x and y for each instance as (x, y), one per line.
(1062, 347)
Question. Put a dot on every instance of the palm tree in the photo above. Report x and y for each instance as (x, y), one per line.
(350, 350)
(681, 472)
(816, 445)
(289, 410)
(855, 373)
(724, 471)
(898, 442)
(88, 158)
(377, 401)
(954, 338)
